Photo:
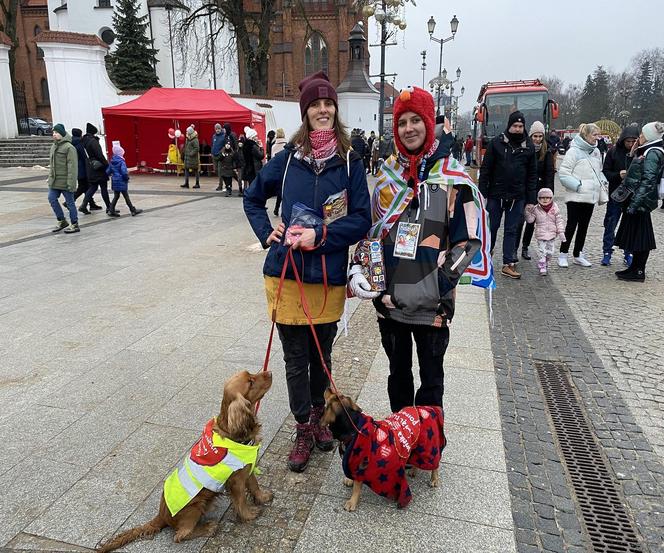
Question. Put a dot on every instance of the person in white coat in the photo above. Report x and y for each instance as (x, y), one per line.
(581, 175)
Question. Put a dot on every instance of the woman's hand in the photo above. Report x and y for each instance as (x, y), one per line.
(305, 239)
(276, 234)
(387, 301)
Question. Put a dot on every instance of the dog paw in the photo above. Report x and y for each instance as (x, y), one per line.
(350, 506)
(263, 496)
(435, 481)
(249, 514)
(348, 482)
(209, 529)
(412, 472)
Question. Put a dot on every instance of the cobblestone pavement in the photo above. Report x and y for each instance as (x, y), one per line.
(280, 526)
(607, 334)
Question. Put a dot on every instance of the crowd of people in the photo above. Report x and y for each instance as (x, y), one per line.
(517, 173)
(78, 167)
(426, 232)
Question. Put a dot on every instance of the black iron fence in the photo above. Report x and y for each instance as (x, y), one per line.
(21, 107)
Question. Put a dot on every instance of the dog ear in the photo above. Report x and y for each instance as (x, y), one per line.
(328, 394)
(354, 406)
(240, 418)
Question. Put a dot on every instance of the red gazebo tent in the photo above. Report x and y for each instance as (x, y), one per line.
(141, 125)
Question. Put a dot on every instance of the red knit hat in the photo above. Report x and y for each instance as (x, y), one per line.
(313, 88)
(418, 101)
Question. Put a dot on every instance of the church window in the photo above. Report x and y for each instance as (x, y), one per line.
(315, 54)
(46, 98)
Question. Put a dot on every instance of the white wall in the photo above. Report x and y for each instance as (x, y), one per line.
(360, 110)
(282, 114)
(78, 83)
(8, 126)
(82, 17)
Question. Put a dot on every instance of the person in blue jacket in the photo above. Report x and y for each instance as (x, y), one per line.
(316, 164)
(117, 170)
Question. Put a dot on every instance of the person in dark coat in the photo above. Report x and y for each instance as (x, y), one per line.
(117, 170)
(228, 164)
(82, 188)
(253, 158)
(191, 157)
(545, 179)
(96, 164)
(615, 170)
(317, 164)
(644, 173)
(508, 180)
(268, 146)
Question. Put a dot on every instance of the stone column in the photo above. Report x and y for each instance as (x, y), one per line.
(8, 126)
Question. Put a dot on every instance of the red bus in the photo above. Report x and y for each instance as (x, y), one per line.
(497, 100)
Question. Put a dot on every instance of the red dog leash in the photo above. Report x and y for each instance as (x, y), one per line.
(305, 307)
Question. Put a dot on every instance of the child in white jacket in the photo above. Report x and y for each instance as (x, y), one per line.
(548, 224)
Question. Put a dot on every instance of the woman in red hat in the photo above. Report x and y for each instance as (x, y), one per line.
(425, 210)
(316, 165)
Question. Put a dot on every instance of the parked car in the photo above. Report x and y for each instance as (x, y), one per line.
(39, 126)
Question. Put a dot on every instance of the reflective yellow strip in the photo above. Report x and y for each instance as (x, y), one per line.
(187, 481)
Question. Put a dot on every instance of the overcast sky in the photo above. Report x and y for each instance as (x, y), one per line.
(520, 39)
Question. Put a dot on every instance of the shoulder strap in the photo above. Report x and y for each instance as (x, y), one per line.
(283, 181)
(348, 163)
(653, 148)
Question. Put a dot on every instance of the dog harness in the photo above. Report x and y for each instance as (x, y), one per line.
(209, 464)
(377, 456)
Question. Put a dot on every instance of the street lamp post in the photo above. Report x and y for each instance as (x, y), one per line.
(423, 53)
(386, 12)
(431, 26)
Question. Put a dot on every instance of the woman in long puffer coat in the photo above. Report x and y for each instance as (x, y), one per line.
(644, 174)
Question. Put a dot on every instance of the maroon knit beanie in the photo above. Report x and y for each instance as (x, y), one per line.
(313, 88)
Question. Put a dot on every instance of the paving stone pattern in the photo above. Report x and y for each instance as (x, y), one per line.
(533, 323)
(280, 525)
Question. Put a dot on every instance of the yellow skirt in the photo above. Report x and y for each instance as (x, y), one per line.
(289, 310)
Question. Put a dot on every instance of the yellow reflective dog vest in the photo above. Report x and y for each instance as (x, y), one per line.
(209, 464)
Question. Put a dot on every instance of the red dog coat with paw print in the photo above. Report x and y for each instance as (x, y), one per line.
(377, 456)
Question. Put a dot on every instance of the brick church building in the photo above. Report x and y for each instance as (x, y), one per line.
(29, 71)
(302, 44)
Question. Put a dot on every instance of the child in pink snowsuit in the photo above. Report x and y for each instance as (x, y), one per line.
(548, 224)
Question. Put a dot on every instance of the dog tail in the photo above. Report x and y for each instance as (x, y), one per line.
(148, 530)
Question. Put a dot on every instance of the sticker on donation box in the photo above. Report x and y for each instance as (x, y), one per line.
(405, 244)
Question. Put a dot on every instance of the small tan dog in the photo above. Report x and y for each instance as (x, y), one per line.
(227, 442)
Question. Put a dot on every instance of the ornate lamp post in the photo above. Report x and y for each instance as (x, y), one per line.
(388, 15)
(431, 26)
(423, 53)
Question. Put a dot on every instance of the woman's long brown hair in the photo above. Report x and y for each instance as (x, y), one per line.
(301, 136)
(543, 149)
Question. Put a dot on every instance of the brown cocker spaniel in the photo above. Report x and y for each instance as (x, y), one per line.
(237, 422)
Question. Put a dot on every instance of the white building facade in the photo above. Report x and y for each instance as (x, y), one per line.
(182, 62)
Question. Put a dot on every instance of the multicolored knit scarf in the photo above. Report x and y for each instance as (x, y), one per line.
(412, 163)
(323, 143)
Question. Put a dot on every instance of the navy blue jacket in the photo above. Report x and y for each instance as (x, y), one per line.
(80, 150)
(304, 186)
(218, 141)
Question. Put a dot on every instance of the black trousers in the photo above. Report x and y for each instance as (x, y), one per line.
(578, 219)
(639, 261)
(305, 377)
(92, 188)
(125, 195)
(431, 343)
(228, 181)
(81, 189)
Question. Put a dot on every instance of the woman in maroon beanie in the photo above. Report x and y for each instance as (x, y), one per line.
(316, 164)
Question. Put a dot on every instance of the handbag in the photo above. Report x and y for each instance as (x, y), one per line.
(622, 194)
